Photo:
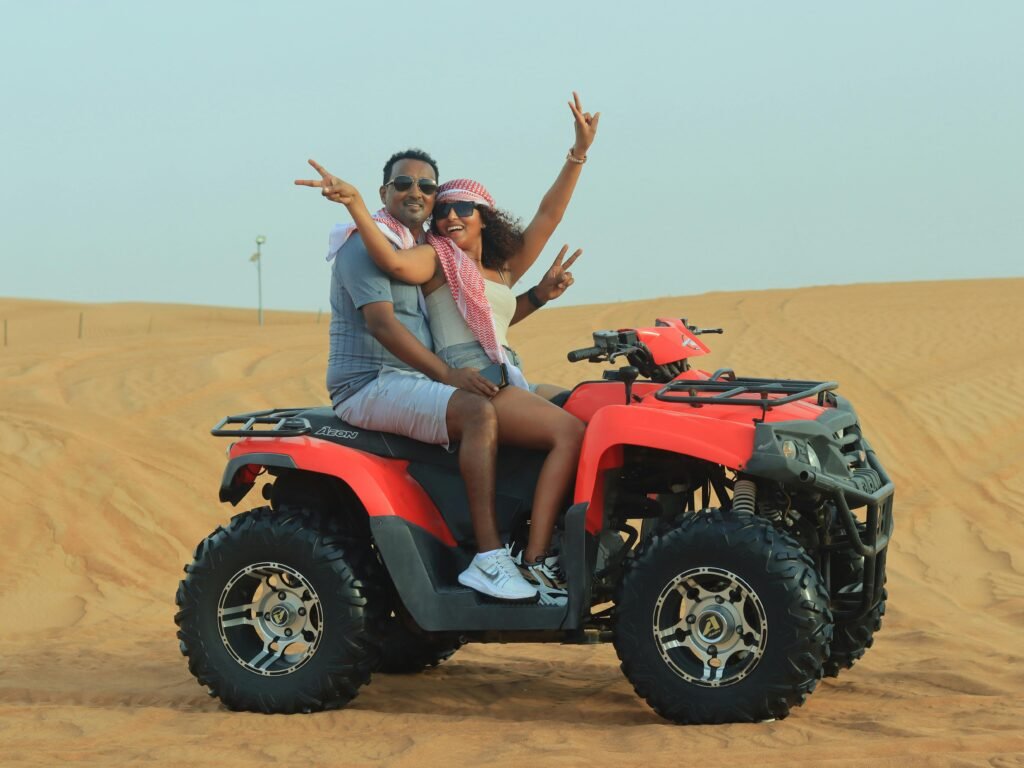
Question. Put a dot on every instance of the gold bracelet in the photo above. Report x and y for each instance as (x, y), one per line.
(573, 159)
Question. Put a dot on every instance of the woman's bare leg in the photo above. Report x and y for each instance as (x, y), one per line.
(528, 421)
(548, 391)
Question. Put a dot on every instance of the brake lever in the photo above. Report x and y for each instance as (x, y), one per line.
(621, 353)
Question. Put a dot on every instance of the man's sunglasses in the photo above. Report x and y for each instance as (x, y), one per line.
(463, 209)
(404, 184)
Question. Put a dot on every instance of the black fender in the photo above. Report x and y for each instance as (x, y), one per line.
(238, 480)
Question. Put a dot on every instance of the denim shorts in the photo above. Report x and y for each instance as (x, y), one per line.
(403, 402)
(472, 355)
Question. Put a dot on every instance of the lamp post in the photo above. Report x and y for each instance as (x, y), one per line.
(260, 240)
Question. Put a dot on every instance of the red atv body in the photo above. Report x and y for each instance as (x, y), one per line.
(759, 565)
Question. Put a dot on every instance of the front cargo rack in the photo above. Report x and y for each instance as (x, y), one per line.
(724, 388)
(278, 423)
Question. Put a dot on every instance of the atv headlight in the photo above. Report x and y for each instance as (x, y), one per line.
(812, 458)
(789, 449)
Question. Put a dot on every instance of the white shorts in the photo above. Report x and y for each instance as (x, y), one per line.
(403, 402)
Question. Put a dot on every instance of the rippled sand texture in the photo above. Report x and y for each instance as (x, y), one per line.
(109, 478)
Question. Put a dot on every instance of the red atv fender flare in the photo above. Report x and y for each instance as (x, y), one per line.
(715, 440)
(384, 486)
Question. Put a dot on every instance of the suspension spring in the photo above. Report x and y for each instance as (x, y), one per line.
(744, 497)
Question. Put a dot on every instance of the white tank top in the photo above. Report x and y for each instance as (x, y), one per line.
(448, 326)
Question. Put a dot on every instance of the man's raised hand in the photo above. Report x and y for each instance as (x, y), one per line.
(558, 278)
(334, 189)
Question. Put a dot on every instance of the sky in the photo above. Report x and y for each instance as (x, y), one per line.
(145, 145)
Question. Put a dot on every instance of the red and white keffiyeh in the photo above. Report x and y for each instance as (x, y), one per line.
(393, 230)
(464, 279)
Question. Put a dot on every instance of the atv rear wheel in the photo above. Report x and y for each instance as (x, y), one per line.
(278, 612)
(722, 619)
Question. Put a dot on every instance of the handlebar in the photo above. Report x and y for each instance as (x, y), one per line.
(696, 331)
(582, 354)
(610, 345)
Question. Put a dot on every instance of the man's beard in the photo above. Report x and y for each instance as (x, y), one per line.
(413, 219)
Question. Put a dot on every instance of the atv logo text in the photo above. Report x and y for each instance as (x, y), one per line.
(344, 434)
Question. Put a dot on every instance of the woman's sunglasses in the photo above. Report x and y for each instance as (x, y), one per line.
(404, 184)
(463, 209)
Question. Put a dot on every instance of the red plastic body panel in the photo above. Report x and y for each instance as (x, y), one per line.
(614, 426)
(383, 485)
(588, 398)
(671, 342)
(720, 434)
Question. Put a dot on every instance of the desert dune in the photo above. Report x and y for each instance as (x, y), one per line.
(109, 478)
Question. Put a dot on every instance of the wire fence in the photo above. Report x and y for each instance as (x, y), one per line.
(57, 325)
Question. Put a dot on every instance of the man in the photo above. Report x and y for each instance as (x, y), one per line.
(383, 375)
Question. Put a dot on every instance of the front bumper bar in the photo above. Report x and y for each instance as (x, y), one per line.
(873, 541)
(870, 539)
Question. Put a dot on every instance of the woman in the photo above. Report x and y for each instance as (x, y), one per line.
(474, 255)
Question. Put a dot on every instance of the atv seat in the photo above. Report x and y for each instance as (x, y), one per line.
(326, 425)
(437, 471)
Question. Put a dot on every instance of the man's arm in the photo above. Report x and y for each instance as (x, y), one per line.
(400, 342)
(414, 266)
(371, 293)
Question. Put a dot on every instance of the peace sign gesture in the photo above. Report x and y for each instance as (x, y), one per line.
(585, 125)
(558, 278)
(334, 189)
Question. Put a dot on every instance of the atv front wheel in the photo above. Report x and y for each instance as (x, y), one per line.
(722, 619)
(278, 613)
(852, 637)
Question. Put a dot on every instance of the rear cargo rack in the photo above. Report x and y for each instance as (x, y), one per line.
(725, 389)
(278, 423)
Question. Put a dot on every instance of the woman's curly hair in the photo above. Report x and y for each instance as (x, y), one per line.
(502, 236)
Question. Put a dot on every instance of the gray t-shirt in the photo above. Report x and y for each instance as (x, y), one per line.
(356, 357)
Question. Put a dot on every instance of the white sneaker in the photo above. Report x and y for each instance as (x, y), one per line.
(547, 576)
(493, 573)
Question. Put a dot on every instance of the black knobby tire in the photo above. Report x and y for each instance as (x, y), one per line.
(331, 590)
(774, 610)
(404, 651)
(852, 637)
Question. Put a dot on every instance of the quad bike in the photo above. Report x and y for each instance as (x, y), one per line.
(758, 567)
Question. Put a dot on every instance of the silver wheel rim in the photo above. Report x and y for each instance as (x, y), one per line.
(710, 627)
(270, 619)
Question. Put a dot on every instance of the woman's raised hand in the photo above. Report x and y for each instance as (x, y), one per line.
(558, 278)
(334, 189)
(585, 125)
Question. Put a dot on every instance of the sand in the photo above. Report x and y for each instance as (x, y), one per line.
(109, 478)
